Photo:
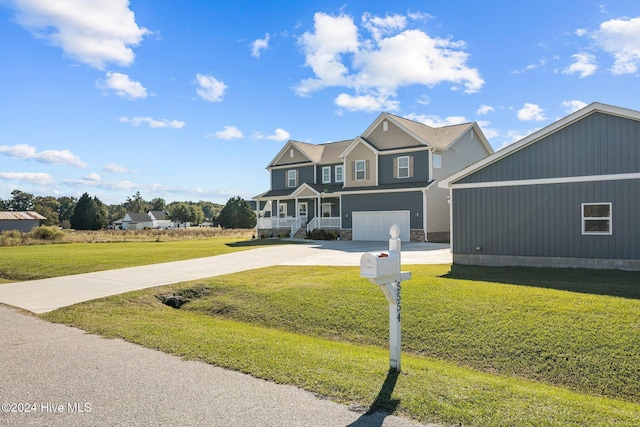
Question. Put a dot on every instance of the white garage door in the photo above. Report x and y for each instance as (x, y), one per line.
(374, 226)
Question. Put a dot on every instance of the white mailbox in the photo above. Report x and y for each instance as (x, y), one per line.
(383, 268)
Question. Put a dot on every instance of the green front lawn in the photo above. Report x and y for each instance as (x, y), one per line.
(500, 352)
(43, 261)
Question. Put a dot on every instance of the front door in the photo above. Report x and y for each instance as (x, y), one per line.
(303, 212)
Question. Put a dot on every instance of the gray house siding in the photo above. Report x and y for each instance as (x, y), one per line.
(279, 177)
(24, 225)
(419, 163)
(411, 201)
(545, 221)
(598, 144)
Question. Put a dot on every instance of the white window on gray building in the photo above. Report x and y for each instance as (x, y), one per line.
(596, 218)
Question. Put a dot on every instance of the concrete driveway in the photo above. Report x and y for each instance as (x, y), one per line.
(40, 296)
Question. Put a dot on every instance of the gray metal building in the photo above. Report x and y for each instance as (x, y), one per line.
(20, 221)
(565, 196)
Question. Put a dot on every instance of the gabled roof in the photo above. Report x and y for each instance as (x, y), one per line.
(158, 215)
(138, 217)
(354, 143)
(332, 152)
(440, 138)
(20, 215)
(537, 136)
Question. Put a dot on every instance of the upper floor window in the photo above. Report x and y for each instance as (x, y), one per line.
(596, 218)
(360, 170)
(403, 167)
(437, 161)
(292, 178)
(326, 174)
(339, 174)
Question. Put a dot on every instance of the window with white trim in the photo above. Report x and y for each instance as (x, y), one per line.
(361, 170)
(596, 218)
(292, 178)
(326, 210)
(326, 174)
(282, 210)
(403, 167)
(339, 174)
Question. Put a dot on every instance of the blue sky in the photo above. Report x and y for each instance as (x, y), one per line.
(191, 100)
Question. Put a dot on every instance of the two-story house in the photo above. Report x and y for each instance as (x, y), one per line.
(360, 187)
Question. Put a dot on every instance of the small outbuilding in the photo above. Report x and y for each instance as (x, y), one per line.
(20, 221)
(567, 195)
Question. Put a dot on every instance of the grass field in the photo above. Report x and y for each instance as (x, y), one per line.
(42, 261)
(491, 347)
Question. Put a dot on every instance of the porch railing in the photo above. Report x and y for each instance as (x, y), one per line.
(276, 222)
(323, 222)
(297, 225)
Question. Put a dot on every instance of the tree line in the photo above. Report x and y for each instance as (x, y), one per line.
(89, 213)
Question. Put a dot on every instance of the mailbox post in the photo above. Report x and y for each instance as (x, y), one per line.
(384, 270)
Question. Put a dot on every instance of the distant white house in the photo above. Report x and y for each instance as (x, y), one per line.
(140, 221)
(160, 219)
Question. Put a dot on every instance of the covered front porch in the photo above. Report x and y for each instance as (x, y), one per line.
(305, 209)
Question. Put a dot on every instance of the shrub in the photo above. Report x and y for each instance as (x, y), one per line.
(46, 233)
(320, 234)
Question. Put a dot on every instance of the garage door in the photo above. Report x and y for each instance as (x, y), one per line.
(375, 225)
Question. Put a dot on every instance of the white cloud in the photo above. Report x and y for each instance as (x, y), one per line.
(27, 152)
(393, 57)
(229, 132)
(484, 110)
(333, 37)
(435, 121)
(91, 181)
(585, 65)
(533, 66)
(259, 45)
(210, 88)
(123, 86)
(280, 135)
(367, 103)
(94, 32)
(531, 112)
(379, 27)
(621, 38)
(163, 123)
(488, 132)
(93, 177)
(30, 177)
(573, 105)
(115, 168)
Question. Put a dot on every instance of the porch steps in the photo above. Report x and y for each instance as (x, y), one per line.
(301, 233)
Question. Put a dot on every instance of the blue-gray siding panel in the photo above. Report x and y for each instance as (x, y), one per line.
(411, 201)
(598, 144)
(420, 168)
(545, 220)
(279, 177)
